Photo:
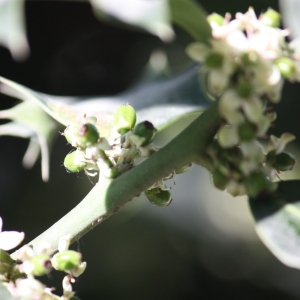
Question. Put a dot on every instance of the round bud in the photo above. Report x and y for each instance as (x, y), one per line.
(66, 260)
(42, 264)
(250, 58)
(282, 162)
(271, 18)
(124, 118)
(215, 19)
(144, 132)
(74, 162)
(219, 179)
(88, 135)
(258, 184)
(244, 89)
(82, 136)
(247, 131)
(214, 60)
(286, 67)
(159, 197)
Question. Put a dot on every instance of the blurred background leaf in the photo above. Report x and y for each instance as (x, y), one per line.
(278, 222)
(13, 28)
(154, 16)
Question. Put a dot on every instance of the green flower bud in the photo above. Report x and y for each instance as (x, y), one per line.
(124, 118)
(74, 162)
(281, 162)
(83, 136)
(258, 184)
(88, 135)
(219, 179)
(247, 131)
(215, 19)
(244, 89)
(250, 58)
(214, 60)
(144, 132)
(66, 260)
(286, 67)
(271, 18)
(42, 264)
(159, 197)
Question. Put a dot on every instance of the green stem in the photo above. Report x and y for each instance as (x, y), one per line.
(108, 196)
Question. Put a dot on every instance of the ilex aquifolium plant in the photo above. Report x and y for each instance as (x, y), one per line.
(115, 154)
(244, 66)
(124, 118)
(111, 155)
(19, 275)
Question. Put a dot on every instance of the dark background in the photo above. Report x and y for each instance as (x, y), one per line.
(201, 247)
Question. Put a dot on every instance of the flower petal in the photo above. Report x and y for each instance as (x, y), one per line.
(10, 239)
(228, 136)
(197, 51)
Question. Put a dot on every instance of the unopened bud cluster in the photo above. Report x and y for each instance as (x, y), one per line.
(244, 66)
(19, 275)
(112, 155)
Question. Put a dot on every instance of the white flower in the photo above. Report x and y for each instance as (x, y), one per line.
(278, 144)
(228, 136)
(30, 288)
(9, 239)
(253, 157)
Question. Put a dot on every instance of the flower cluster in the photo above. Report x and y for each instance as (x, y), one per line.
(113, 155)
(244, 65)
(19, 275)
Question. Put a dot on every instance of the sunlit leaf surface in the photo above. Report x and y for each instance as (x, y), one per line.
(278, 222)
(153, 16)
(12, 28)
(290, 10)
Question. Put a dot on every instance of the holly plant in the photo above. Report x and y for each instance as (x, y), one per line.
(240, 65)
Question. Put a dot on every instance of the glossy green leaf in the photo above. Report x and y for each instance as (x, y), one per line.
(189, 15)
(163, 100)
(154, 16)
(160, 102)
(30, 121)
(12, 28)
(278, 222)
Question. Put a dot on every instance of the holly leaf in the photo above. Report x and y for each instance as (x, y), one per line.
(189, 15)
(290, 10)
(161, 102)
(153, 16)
(12, 28)
(278, 222)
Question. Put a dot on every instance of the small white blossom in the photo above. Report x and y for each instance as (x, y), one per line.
(278, 144)
(32, 289)
(10, 239)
